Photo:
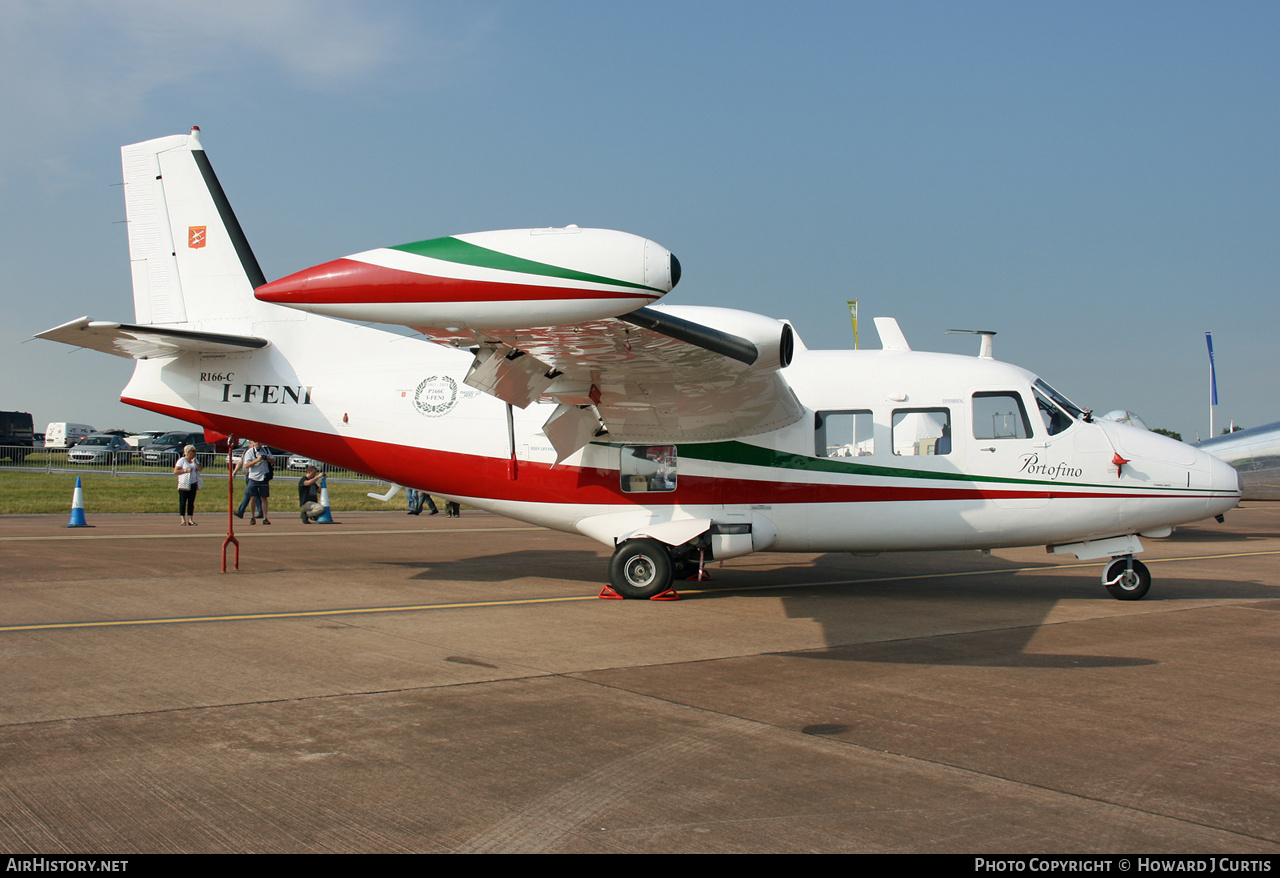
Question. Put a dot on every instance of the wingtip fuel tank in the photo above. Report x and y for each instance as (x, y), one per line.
(487, 280)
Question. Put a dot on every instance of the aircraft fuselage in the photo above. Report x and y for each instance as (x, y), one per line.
(866, 469)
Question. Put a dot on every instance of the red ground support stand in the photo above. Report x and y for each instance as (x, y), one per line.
(608, 594)
(701, 574)
(231, 522)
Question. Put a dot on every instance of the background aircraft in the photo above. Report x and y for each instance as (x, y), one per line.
(1255, 453)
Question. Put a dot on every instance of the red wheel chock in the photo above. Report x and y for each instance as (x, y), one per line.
(608, 594)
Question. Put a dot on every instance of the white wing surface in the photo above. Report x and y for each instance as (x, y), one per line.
(661, 374)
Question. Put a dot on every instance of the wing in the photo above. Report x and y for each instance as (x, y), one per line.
(145, 342)
(659, 374)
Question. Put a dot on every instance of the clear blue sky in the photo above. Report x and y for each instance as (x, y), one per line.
(1095, 181)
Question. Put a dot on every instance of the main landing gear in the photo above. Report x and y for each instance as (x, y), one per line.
(1127, 578)
(641, 569)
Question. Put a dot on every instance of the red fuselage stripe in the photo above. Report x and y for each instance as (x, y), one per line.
(471, 475)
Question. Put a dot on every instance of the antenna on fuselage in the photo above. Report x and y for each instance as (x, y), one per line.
(987, 350)
(891, 337)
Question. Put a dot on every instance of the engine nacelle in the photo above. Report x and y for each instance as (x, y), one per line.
(487, 280)
(764, 343)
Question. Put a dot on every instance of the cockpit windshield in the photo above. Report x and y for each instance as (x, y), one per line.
(1057, 411)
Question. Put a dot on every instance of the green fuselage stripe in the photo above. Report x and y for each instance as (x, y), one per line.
(741, 453)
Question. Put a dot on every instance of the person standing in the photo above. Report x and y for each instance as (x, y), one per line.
(257, 463)
(418, 499)
(187, 469)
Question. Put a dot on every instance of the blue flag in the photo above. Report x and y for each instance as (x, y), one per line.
(1213, 373)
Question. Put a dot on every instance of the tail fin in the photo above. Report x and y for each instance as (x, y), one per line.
(190, 259)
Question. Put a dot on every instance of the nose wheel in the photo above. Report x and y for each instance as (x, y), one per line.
(1127, 578)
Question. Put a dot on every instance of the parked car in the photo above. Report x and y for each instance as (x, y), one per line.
(100, 448)
(166, 450)
(300, 462)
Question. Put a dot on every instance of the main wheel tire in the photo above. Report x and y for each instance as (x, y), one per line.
(640, 569)
(1132, 585)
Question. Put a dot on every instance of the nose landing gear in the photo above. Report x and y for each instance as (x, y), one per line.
(1127, 578)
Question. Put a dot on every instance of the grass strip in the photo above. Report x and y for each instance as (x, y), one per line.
(36, 493)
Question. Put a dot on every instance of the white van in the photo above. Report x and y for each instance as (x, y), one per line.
(61, 434)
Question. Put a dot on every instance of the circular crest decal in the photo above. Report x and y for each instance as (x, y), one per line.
(436, 396)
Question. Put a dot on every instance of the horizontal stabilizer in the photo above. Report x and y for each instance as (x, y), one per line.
(146, 342)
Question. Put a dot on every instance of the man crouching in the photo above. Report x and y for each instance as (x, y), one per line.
(309, 496)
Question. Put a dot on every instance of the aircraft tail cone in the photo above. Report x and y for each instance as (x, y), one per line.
(77, 507)
(325, 517)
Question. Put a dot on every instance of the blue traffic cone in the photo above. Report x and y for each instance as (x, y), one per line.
(326, 517)
(77, 507)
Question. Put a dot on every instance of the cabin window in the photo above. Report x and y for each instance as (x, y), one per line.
(843, 434)
(648, 468)
(1000, 415)
(921, 431)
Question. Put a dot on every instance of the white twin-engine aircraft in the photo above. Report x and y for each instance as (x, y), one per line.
(548, 387)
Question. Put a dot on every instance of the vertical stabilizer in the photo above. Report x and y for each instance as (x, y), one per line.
(191, 262)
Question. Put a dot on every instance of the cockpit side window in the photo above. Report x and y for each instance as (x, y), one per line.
(1000, 415)
(1054, 408)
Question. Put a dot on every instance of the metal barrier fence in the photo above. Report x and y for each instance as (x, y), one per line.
(130, 463)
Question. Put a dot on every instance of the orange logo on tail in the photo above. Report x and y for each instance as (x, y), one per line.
(196, 237)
